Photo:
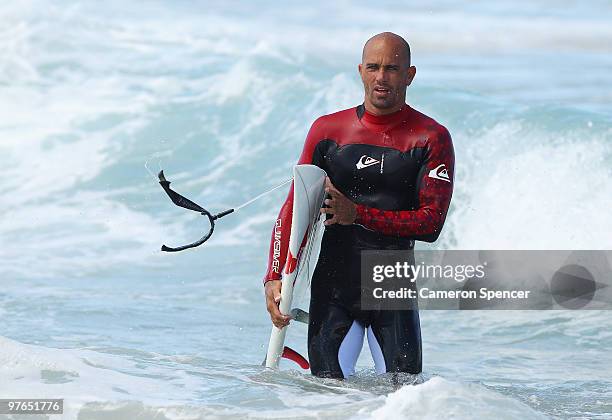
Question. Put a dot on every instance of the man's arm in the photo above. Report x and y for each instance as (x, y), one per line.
(435, 191)
(279, 242)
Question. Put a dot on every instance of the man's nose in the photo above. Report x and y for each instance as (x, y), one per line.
(381, 75)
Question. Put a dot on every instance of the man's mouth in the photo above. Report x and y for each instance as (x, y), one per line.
(381, 89)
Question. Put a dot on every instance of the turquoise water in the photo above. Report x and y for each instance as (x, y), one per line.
(221, 97)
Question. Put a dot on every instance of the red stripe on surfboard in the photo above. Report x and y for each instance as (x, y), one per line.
(292, 261)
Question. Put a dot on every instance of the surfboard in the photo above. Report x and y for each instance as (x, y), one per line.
(308, 196)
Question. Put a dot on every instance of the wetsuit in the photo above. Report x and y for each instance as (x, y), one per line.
(398, 170)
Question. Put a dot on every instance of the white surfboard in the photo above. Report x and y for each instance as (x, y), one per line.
(308, 195)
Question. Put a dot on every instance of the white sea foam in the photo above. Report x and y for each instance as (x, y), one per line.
(440, 398)
(528, 188)
(83, 376)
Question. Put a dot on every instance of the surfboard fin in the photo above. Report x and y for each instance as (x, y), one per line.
(289, 353)
(299, 315)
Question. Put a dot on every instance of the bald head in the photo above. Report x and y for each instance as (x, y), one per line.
(396, 42)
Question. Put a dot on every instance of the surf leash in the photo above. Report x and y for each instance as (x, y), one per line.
(186, 203)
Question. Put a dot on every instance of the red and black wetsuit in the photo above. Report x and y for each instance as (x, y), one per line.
(398, 169)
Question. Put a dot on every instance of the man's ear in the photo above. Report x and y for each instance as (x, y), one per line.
(411, 74)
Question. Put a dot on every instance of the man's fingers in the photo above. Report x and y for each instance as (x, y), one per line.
(333, 192)
(280, 324)
(273, 297)
(278, 319)
(327, 210)
(331, 221)
(329, 187)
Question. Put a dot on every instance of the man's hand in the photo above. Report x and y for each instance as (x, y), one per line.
(273, 296)
(342, 209)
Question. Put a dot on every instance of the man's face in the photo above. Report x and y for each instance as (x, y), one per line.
(386, 75)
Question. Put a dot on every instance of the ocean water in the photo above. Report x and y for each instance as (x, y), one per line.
(221, 96)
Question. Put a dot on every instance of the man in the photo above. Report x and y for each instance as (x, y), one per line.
(390, 180)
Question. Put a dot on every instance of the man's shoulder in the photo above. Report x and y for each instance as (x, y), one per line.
(434, 129)
(428, 122)
(329, 121)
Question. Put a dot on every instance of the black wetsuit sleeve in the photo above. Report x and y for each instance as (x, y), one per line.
(435, 190)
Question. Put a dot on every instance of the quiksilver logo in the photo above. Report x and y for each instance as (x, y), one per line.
(440, 172)
(277, 247)
(365, 161)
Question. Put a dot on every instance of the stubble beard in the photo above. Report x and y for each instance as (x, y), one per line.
(384, 103)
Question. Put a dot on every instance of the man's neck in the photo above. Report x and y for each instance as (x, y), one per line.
(371, 109)
(380, 123)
